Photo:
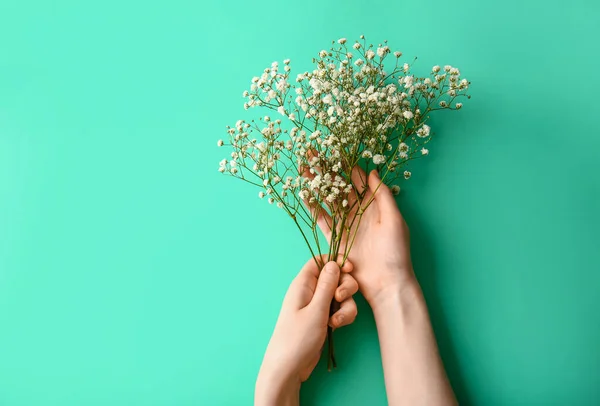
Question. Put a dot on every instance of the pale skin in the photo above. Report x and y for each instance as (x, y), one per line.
(380, 265)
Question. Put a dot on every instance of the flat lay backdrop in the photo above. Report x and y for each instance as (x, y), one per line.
(133, 273)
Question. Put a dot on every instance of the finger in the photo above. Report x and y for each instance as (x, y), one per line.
(359, 179)
(383, 195)
(326, 286)
(320, 216)
(311, 162)
(309, 274)
(360, 193)
(348, 287)
(346, 315)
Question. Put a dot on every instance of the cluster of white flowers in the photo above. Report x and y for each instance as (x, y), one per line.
(347, 111)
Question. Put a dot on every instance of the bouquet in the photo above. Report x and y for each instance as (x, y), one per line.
(347, 112)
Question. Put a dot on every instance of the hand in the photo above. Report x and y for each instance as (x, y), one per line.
(380, 251)
(295, 347)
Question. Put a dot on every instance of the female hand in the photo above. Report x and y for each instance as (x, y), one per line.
(380, 251)
(295, 347)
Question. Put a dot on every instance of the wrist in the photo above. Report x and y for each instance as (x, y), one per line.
(400, 294)
(274, 388)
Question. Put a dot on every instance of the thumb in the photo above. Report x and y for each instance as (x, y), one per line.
(326, 286)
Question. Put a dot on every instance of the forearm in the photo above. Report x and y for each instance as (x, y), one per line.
(413, 370)
(274, 389)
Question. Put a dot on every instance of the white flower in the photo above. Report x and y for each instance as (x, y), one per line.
(220, 143)
(370, 54)
(286, 61)
(424, 151)
(358, 62)
(280, 205)
(435, 69)
(443, 103)
(407, 174)
(316, 84)
(423, 131)
(378, 159)
(406, 67)
(367, 154)
(222, 169)
(408, 114)
(292, 116)
(323, 54)
(458, 106)
(382, 51)
(261, 194)
(299, 90)
(447, 68)
(344, 203)
(281, 85)
(265, 182)
(356, 46)
(271, 200)
(342, 41)
(328, 99)
(281, 110)
(397, 54)
(267, 118)
(395, 189)
(303, 194)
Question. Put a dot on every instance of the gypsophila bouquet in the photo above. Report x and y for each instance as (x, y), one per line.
(348, 111)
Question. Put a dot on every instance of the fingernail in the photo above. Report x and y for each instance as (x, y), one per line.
(342, 294)
(330, 268)
(340, 319)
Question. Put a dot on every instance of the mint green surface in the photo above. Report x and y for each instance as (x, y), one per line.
(132, 273)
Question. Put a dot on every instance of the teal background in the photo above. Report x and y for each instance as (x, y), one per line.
(132, 273)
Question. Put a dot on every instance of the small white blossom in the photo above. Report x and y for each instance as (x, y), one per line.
(271, 200)
(458, 106)
(261, 194)
(286, 61)
(323, 54)
(397, 54)
(292, 116)
(382, 51)
(407, 174)
(220, 143)
(281, 110)
(424, 151)
(342, 41)
(424, 131)
(395, 189)
(356, 46)
(378, 159)
(435, 69)
(370, 54)
(408, 114)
